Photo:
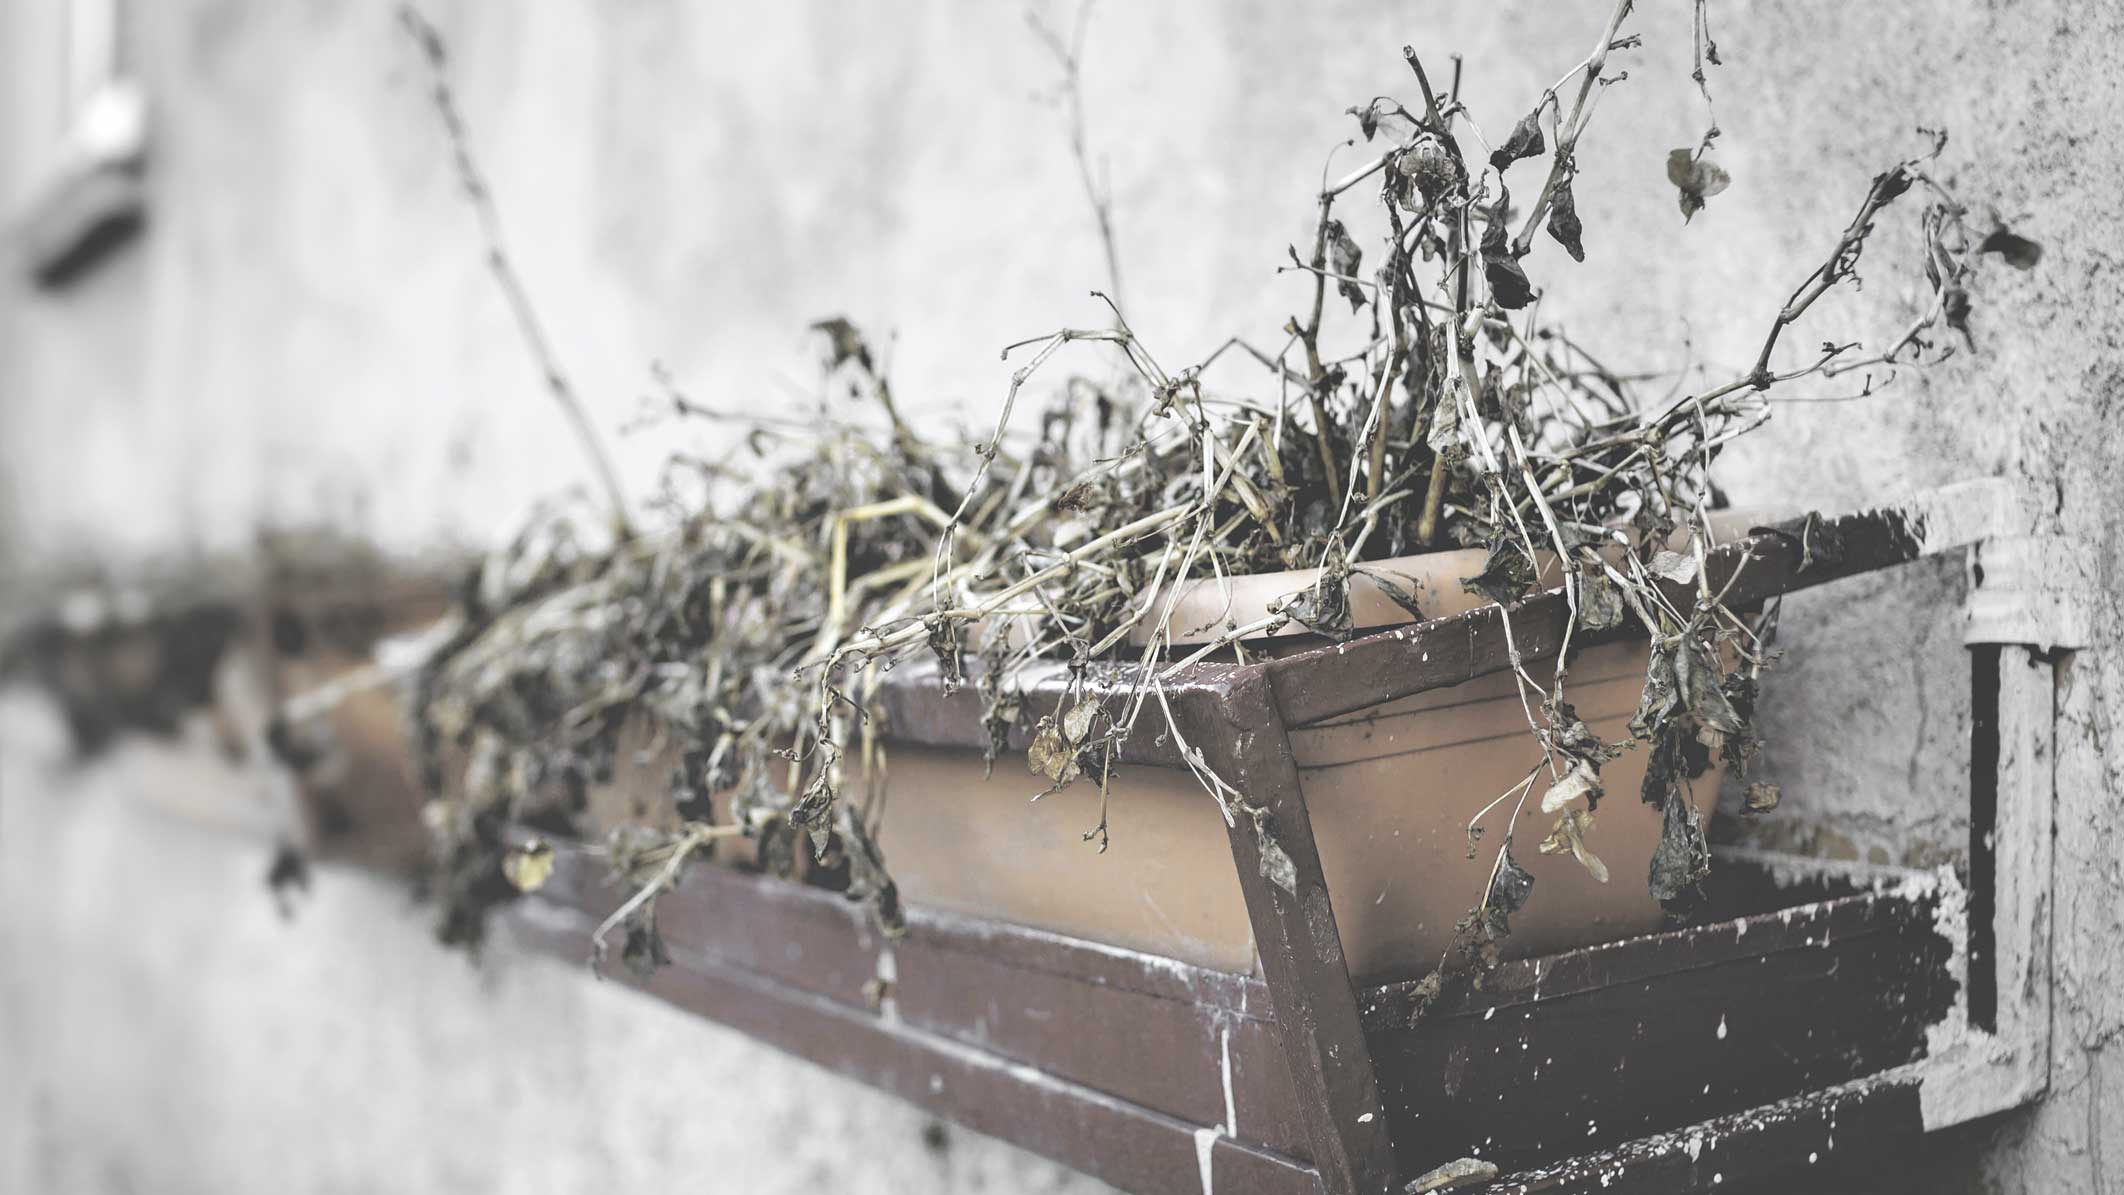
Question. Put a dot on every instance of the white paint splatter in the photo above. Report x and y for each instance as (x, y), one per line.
(1231, 1111)
(1205, 1147)
(888, 976)
(1722, 1026)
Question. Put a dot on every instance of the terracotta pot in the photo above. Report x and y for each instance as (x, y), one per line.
(1390, 791)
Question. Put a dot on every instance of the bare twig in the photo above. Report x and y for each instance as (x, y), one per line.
(1098, 192)
(472, 181)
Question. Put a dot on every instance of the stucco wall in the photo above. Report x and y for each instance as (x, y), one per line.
(306, 334)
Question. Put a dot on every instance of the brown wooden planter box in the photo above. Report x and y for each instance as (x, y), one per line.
(353, 771)
(1388, 788)
(1135, 1067)
(1767, 1042)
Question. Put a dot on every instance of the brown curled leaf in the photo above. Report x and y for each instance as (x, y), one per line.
(1563, 222)
(1697, 177)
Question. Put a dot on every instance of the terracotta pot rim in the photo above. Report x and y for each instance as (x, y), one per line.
(1209, 607)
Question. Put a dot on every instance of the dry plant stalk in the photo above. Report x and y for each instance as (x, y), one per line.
(749, 632)
(472, 181)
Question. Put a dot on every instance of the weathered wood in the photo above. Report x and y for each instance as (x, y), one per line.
(1387, 666)
(1215, 1065)
(1301, 948)
(1196, 1044)
(1997, 1040)
(1123, 1143)
(1608, 1044)
(1098, 1057)
(1791, 1139)
(914, 708)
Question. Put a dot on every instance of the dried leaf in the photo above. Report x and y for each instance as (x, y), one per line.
(1702, 692)
(1683, 857)
(1049, 756)
(1081, 497)
(1582, 781)
(1573, 737)
(1742, 745)
(844, 343)
(1077, 723)
(1509, 889)
(1367, 120)
(1600, 600)
(1889, 185)
(1657, 703)
(1444, 434)
(1697, 177)
(944, 644)
(1506, 573)
(1399, 594)
(528, 867)
(1678, 567)
(1585, 856)
(1277, 866)
(1431, 167)
(1345, 257)
(1569, 834)
(1675, 756)
(1324, 607)
(868, 879)
(1509, 287)
(1564, 224)
(997, 720)
(1762, 797)
(1525, 141)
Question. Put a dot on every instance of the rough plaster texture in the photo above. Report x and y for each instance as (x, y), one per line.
(306, 335)
(166, 1030)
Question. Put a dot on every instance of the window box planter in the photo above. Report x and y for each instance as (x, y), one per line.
(1387, 785)
(1802, 1026)
(341, 733)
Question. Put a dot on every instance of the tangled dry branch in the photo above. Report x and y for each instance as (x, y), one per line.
(747, 635)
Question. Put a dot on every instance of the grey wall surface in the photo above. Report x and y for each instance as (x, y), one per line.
(305, 335)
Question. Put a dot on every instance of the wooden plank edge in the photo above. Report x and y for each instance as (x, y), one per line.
(1651, 956)
(710, 895)
(1119, 1142)
(1790, 1136)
